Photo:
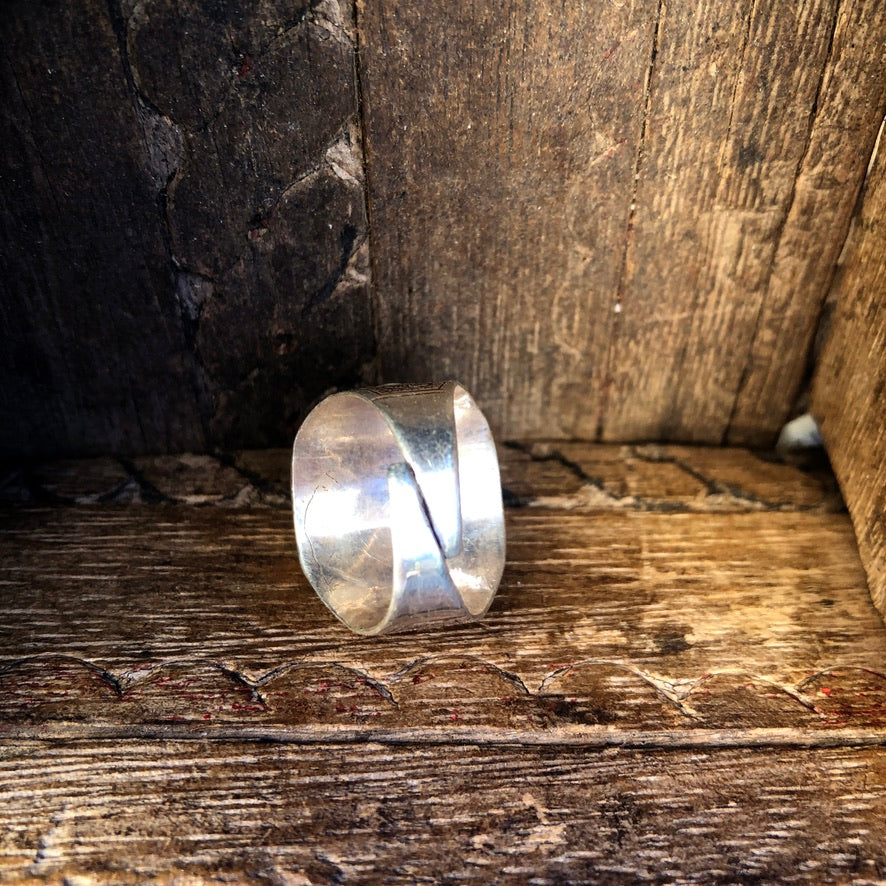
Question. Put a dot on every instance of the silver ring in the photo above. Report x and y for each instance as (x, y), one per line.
(397, 504)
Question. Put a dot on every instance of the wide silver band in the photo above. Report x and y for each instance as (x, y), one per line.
(397, 505)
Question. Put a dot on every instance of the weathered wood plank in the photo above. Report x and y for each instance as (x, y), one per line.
(553, 474)
(618, 618)
(645, 249)
(501, 145)
(587, 477)
(760, 115)
(187, 257)
(290, 814)
(666, 686)
(849, 393)
(781, 594)
(849, 108)
(438, 699)
(648, 648)
(185, 261)
(82, 236)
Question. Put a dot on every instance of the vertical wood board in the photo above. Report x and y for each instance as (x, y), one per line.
(849, 392)
(501, 145)
(761, 121)
(849, 109)
(617, 225)
(185, 261)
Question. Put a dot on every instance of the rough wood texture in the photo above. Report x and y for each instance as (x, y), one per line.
(702, 590)
(501, 144)
(654, 477)
(438, 814)
(200, 616)
(183, 220)
(554, 474)
(681, 679)
(851, 98)
(619, 224)
(849, 394)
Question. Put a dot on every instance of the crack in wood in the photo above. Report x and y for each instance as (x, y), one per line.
(629, 231)
(148, 492)
(565, 737)
(651, 455)
(715, 487)
(172, 480)
(748, 365)
(554, 455)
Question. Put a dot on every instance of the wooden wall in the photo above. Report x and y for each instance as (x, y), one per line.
(849, 391)
(616, 221)
(184, 220)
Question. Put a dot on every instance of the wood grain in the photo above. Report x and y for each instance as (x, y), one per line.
(552, 474)
(761, 121)
(440, 699)
(660, 589)
(288, 814)
(501, 149)
(665, 478)
(850, 105)
(849, 393)
(681, 678)
(82, 234)
(619, 226)
(185, 260)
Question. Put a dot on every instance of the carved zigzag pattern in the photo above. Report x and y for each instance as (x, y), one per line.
(432, 692)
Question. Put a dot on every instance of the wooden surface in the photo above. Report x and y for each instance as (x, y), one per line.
(681, 678)
(849, 395)
(235, 812)
(618, 225)
(614, 225)
(850, 100)
(750, 167)
(183, 219)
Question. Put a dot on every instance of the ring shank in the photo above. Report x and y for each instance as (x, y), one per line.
(376, 475)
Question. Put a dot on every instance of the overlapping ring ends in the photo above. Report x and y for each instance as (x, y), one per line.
(397, 506)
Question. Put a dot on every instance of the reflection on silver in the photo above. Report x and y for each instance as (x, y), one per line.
(397, 505)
